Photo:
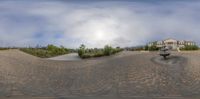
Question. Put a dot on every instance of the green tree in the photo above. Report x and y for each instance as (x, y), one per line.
(51, 47)
(81, 50)
(146, 47)
(153, 48)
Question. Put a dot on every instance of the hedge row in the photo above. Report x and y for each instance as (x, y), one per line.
(46, 52)
(89, 53)
(190, 47)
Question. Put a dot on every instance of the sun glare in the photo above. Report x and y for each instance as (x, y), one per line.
(100, 36)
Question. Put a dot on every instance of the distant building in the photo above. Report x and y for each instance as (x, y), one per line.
(171, 43)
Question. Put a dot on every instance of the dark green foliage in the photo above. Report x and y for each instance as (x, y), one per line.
(51, 47)
(108, 50)
(98, 54)
(139, 48)
(116, 50)
(1, 48)
(146, 48)
(190, 47)
(46, 52)
(36, 52)
(88, 53)
(153, 48)
(81, 50)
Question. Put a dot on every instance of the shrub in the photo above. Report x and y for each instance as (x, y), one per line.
(81, 50)
(190, 47)
(99, 54)
(1, 48)
(88, 53)
(146, 48)
(153, 48)
(46, 52)
(116, 50)
(108, 50)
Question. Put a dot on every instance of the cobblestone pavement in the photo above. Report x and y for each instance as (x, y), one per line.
(125, 75)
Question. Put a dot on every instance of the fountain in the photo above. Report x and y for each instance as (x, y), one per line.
(164, 52)
(173, 60)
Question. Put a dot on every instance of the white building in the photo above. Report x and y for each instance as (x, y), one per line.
(171, 43)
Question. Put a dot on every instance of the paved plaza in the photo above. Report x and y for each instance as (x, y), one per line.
(126, 75)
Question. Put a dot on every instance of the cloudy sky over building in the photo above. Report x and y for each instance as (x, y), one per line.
(96, 23)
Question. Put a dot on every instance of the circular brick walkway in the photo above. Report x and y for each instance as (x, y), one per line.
(125, 75)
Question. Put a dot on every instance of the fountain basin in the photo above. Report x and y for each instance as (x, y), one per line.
(164, 54)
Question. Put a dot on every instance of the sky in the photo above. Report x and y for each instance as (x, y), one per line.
(96, 23)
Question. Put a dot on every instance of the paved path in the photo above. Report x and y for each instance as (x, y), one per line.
(67, 57)
(127, 75)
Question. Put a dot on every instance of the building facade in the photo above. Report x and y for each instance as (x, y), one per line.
(171, 43)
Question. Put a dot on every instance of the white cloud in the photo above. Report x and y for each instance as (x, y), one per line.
(98, 23)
